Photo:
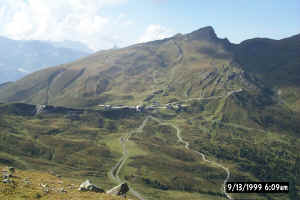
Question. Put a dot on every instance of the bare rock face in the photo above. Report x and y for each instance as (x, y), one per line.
(39, 109)
(88, 186)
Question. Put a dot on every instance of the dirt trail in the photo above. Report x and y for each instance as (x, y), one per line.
(213, 97)
(186, 145)
(115, 170)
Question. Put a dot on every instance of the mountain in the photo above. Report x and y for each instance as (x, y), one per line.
(68, 44)
(239, 119)
(198, 64)
(276, 63)
(183, 66)
(19, 57)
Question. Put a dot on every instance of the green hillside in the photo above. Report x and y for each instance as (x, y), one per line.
(192, 65)
(239, 120)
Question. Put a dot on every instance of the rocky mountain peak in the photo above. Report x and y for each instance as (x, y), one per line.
(205, 33)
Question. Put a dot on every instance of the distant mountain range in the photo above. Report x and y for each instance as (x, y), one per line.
(68, 44)
(19, 57)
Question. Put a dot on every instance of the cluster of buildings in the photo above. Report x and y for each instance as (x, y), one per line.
(141, 108)
(137, 108)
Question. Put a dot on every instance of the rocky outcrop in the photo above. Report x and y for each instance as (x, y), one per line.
(88, 186)
(120, 190)
(39, 109)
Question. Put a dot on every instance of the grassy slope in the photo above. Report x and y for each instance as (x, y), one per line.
(71, 144)
(166, 167)
(255, 138)
(85, 144)
(255, 145)
(20, 189)
(276, 63)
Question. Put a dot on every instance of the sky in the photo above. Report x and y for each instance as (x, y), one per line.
(103, 24)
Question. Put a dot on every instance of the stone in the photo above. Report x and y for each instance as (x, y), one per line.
(88, 186)
(123, 190)
(43, 185)
(62, 190)
(6, 175)
(119, 190)
(6, 181)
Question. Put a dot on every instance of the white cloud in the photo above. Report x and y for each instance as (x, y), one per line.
(23, 70)
(155, 32)
(58, 20)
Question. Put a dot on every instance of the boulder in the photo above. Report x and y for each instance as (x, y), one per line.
(88, 186)
(6, 181)
(124, 189)
(62, 190)
(6, 175)
(119, 190)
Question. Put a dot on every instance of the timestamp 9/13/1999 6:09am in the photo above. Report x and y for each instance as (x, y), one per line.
(257, 187)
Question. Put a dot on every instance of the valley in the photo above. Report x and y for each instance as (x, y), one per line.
(175, 118)
(132, 146)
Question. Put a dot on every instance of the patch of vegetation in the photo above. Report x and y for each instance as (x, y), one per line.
(26, 184)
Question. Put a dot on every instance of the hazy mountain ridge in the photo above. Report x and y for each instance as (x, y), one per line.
(68, 44)
(20, 57)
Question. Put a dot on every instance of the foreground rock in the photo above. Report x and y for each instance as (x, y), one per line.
(120, 190)
(88, 186)
(7, 174)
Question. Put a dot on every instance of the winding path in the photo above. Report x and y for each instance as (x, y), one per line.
(212, 97)
(186, 145)
(115, 170)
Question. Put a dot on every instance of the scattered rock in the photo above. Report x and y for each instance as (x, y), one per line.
(43, 185)
(27, 181)
(6, 181)
(6, 175)
(88, 186)
(46, 190)
(8, 172)
(62, 190)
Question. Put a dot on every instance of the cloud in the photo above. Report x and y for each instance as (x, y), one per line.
(57, 20)
(155, 32)
(23, 70)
